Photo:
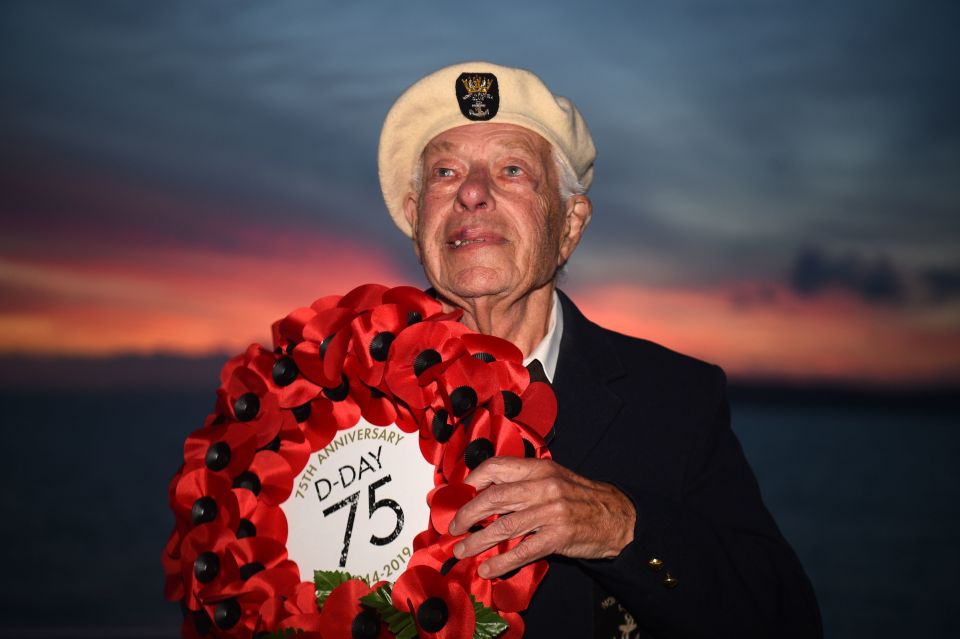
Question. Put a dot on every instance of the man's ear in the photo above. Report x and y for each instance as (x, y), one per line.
(577, 213)
(411, 212)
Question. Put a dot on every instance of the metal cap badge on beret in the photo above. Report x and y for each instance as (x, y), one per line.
(471, 93)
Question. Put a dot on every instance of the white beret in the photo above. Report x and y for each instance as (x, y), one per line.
(475, 92)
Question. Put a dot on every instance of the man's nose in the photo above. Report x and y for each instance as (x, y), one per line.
(474, 193)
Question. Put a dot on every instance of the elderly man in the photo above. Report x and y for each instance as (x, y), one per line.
(649, 514)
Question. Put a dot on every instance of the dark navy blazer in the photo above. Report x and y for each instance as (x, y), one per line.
(657, 425)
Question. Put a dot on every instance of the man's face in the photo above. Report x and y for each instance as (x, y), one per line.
(489, 220)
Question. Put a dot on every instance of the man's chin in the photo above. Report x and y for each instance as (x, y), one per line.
(474, 282)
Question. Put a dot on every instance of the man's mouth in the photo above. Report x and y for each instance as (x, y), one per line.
(458, 243)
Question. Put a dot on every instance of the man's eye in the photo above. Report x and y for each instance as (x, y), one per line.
(444, 172)
(513, 171)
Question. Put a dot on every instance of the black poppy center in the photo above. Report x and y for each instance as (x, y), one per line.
(512, 404)
(432, 614)
(249, 570)
(442, 430)
(380, 345)
(218, 456)
(227, 614)
(273, 446)
(477, 451)
(366, 625)
(339, 393)
(246, 529)
(247, 480)
(246, 407)
(463, 400)
(206, 567)
(302, 412)
(204, 510)
(485, 357)
(284, 371)
(413, 317)
(425, 360)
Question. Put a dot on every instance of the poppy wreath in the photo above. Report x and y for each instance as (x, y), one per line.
(390, 355)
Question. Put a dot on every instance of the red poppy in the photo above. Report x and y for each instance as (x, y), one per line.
(489, 349)
(227, 448)
(342, 616)
(258, 518)
(245, 397)
(282, 376)
(205, 566)
(202, 497)
(373, 335)
(488, 436)
(237, 610)
(445, 501)
(437, 428)
(417, 305)
(363, 297)
(408, 418)
(538, 411)
(424, 539)
(440, 606)
(439, 556)
(320, 419)
(465, 385)
(289, 330)
(268, 477)
(512, 592)
(291, 443)
(418, 356)
(303, 600)
(254, 554)
(326, 341)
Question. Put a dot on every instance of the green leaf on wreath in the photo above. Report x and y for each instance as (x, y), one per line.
(400, 623)
(327, 580)
(489, 623)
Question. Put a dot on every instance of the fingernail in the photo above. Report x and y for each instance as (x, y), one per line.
(458, 550)
(483, 571)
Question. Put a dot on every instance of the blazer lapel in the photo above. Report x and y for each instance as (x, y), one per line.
(586, 403)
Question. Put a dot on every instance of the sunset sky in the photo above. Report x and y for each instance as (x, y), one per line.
(777, 186)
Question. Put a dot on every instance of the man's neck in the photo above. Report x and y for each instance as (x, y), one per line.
(523, 321)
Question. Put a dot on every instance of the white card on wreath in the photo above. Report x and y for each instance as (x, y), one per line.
(359, 502)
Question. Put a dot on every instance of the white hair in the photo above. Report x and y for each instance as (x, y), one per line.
(567, 180)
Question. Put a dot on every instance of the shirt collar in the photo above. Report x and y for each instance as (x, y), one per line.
(548, 350)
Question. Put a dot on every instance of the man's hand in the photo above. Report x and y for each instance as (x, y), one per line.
(571, 515)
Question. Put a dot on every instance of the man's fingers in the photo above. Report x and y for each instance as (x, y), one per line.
(507, 527)
(502, 470)
(498, 499)
(532, 548)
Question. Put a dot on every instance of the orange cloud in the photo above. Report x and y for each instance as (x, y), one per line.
(786, 336)
(178, 300)
(191, 301)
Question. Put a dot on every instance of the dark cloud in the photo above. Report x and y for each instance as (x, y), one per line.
(878, 279)
(726, 130)
(942, 284)
(874, 280)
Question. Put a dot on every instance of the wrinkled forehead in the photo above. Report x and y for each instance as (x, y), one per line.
(501, 138)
